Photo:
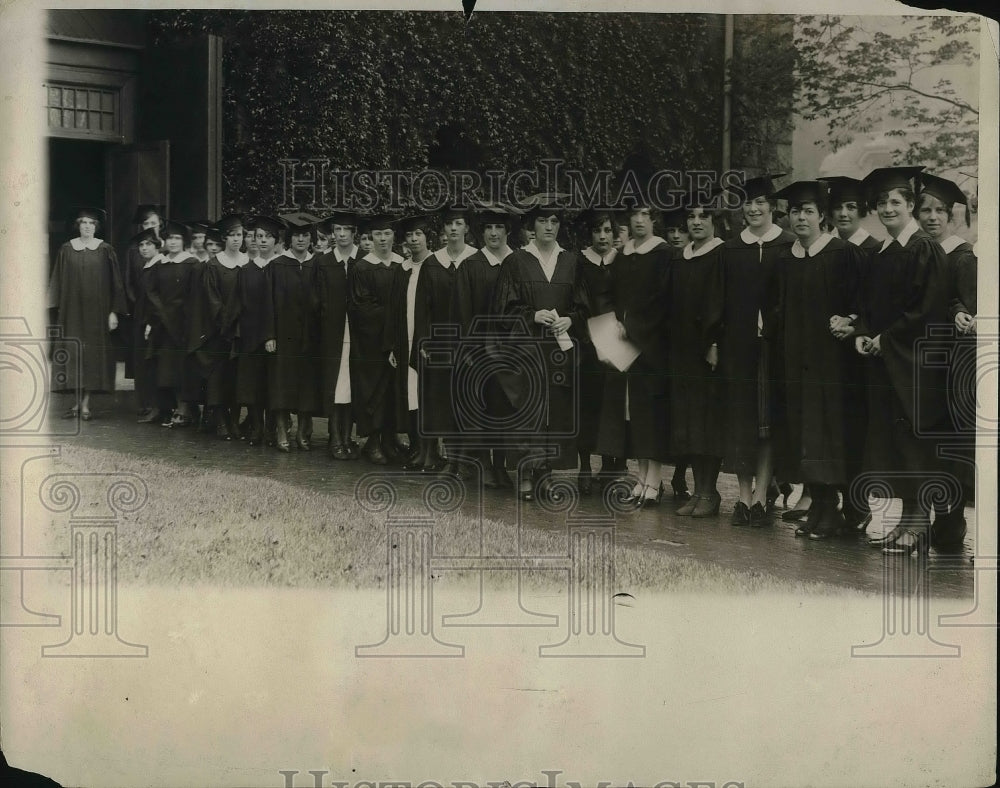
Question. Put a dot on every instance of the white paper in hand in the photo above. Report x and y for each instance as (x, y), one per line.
(611, 349)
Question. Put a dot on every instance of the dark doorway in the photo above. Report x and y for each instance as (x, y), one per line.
(76, 178)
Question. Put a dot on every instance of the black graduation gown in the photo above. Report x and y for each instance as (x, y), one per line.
(814, 442)
(903, 291)
(212, 328)
(85, 288)
(369, 285)
(593, 373)
(963, 266)
(696, 305)
(169, 299)
(135, 360)
(639, 289)
(433, 313)
(473, 297)
(143, 365)
(255, 326)
(293, 380)
(331, 290)
(396, 337)
(751, 398)
(544, 411)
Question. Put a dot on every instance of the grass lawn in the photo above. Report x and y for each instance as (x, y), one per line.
(208, 526)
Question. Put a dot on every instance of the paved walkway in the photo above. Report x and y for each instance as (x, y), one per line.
(772, 550)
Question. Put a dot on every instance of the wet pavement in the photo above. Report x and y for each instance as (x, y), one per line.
(773, 550)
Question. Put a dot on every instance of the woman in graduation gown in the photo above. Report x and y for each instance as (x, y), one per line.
(139, 368)
(818, 283)
(472, 304)
(335, 332)
(904, 289)
(213, 326)
(293, 378)
(405, 312)
(596, 261)
(635, 411)
(86, 291)
(935, 213)
(748, 354)
(434, 296)
(255, 326)
(168, 296)
(369, 286)
(696, 304)
(541, 285)
(147, 245)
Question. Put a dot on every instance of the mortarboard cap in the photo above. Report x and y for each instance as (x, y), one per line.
(418, 221)
(884, 179)
(227, 223)
(200, 226)
(844, 189)
(946, 191)
(343, 218)
(172, 227)
(378, 221)
(212, 234)
(89, 212)
(143, 211)
(299, 224)
(269, 224)
(148, 234)
(804, 191)
(760, 185)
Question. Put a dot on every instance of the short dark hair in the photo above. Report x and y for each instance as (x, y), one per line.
(94, 219)
(862, 206)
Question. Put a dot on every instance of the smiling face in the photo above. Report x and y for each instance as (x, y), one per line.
(806, 222)
(847, 217)
(757, 213)
(895, 210)
(602, 237)
(700, 225)
(933, 216)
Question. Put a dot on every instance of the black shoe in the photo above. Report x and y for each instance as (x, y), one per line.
(680, 491)
(741, 514)
(794, 515)
(831, 523)
(758, 516)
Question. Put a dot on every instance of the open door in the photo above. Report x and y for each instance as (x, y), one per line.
(136, 174)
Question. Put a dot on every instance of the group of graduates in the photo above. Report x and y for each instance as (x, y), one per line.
(778, 354)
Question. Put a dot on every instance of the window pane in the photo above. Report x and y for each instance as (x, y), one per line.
(94, 100)
(81, 119)
(67, 119)
(55, 97)
(107, 102)
(68, 98)
(55, 117)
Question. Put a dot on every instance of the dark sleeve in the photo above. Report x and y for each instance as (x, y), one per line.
(56, 280)
(509, 298)
(927, 289)
(118, 303)
(461, 298)
(712, 300)
(770, 310)
(395, 312)
(963, 296)
(580, 309)
(268, 329)
(133, 274)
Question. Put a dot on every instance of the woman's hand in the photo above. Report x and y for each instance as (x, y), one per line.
(147, 332)
(112, 321)
(622, 333)
(545, 317)
(841, 327)
(965, 323)
(712, 357)
(392, 359)
(862, 345)
(561, 325)
(270, 346)
(875, 348)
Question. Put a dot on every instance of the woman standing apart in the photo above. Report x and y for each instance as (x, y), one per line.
(746, 348)
(86, 291)
(904, 289)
